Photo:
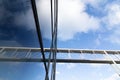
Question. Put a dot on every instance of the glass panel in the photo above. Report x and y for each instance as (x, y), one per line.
(17, 27)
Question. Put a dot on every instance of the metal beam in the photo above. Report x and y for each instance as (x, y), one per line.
(62, 50)
(58, 60)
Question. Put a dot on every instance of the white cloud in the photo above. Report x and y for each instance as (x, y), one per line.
(113, 16)
(112, 77)
(25, 19)
(73, 19)
(71, 65)
(43, 7)
(112, 20)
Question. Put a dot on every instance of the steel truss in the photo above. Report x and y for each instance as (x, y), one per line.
(30, 51)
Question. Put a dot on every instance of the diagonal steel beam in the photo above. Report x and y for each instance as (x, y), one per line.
(35, 14)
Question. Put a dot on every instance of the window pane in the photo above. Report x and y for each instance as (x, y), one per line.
(17, 27)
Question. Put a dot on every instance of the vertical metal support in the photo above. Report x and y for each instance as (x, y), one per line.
(52, 33)
(55, 25)
(81, 54)
(69, 55)
(94, 53)
(54, 38)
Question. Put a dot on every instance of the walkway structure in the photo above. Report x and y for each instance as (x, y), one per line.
(24, 54)
(48, 56)
(13, 54)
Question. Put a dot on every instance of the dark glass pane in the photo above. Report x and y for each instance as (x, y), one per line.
(17, 27)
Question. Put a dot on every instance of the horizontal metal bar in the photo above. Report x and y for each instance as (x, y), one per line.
(84, 51)
(58, 60)
(62, 50)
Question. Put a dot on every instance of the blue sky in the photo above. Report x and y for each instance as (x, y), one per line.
(82, 24)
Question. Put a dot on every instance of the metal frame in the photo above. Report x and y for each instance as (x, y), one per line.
(53, 50)
(64, 51)
(57, 60)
